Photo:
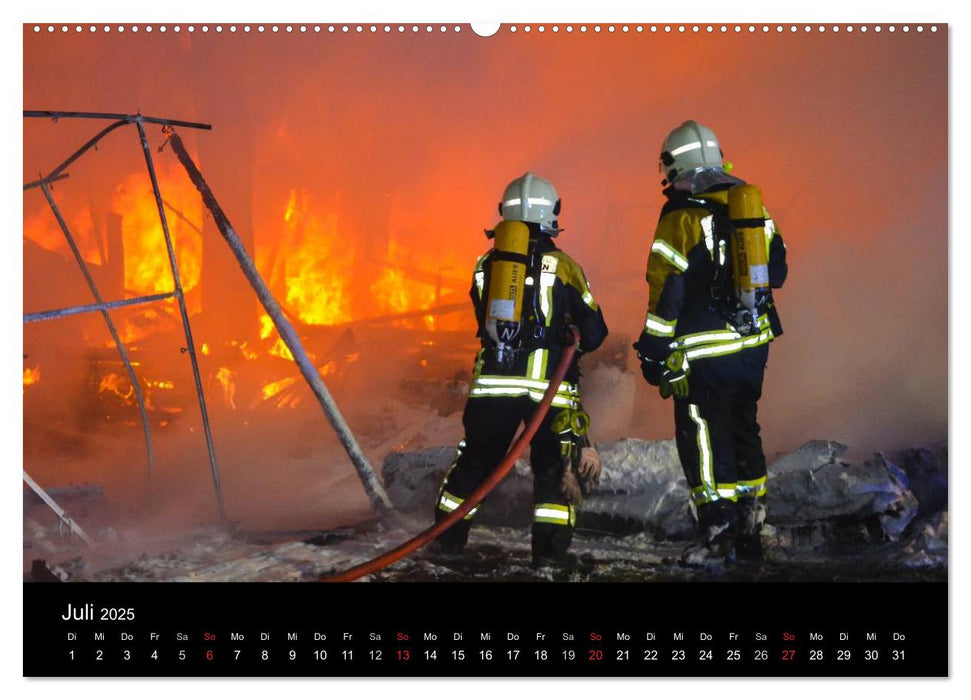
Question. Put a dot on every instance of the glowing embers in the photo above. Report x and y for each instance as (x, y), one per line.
(31, 376)
(314, 265)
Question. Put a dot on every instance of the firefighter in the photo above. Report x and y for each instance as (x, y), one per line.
(522, 339)
(706, 335)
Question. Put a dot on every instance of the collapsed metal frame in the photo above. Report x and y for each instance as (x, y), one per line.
(372, 486)
(58, 173)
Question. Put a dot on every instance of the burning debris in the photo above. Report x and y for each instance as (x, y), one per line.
(149, 253)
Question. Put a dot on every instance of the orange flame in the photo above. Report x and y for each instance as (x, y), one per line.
(44, 230)
(118, 385)
(227, 378)
(273, 388)
(31, 376)
(147, 266)
(313, 263)
(280, 349)
(395, 294)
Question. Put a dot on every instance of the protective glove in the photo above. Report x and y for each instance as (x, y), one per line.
(651, 369)
(570, 485)
(674, 378)
(588, 468)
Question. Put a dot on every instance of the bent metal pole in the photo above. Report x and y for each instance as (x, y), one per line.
(99, 304)
(184, 313)
(372, 486)
(491, 481)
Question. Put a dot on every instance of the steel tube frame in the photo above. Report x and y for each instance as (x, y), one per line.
(111, 328)
(190, 346)
(74, 310)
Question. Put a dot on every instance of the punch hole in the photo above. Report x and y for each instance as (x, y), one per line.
(485, 28)
(527, 29)
(134, 29)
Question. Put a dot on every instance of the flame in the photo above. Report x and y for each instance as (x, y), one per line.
(227, 378)
(205, 348)
(313, 263)
(395, 294)
(43, 229)
(147, 267)
(244, 349)
(266, 326)
(31, 376)
(118, 385)
(280, 349)
(273, 388)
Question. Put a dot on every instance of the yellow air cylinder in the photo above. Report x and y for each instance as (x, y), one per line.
(750, 259)
(507, 281)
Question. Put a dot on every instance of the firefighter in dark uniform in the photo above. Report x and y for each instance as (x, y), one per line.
(703, 346)
(509, 381)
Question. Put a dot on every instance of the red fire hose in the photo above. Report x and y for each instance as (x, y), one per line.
(423, 538)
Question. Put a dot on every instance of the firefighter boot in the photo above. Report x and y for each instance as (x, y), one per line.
(452, 541)
(718, 525)
(748, 541)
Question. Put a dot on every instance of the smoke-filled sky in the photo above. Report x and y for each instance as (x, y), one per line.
(846, 134)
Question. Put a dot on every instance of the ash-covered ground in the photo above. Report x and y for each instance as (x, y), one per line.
(880, 519)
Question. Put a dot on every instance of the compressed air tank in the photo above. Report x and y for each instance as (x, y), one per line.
(750, 258)
(507, 282)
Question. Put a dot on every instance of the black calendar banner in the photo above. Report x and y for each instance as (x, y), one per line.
(486, 629)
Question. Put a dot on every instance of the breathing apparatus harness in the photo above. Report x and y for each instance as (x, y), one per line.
(740, 280)
(512, 308)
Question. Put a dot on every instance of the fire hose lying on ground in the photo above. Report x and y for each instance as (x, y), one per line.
(524, 438)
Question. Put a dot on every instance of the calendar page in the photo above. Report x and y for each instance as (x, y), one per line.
(596, 349)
